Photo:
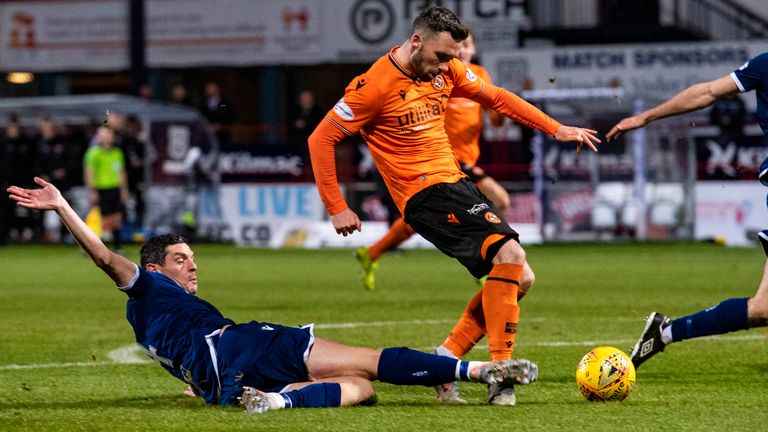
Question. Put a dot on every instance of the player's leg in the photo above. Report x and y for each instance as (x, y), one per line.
(404, 366)
(368, 257)
(465, 334)
(321, 393)
(730, 315)
(495, 192)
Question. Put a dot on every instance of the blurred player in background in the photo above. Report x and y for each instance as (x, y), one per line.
(732, 314)
(107, 182)
(398, 106)
(266, 366)
(464, 126)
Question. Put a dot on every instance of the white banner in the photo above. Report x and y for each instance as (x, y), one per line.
(731, 210)
(60, 35)
(653, 71)
(273, 215)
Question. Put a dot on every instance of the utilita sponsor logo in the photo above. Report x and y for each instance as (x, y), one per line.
(245, 163)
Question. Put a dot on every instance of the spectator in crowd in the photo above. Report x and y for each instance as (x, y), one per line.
(133, 145)
(19, 159)
(56, 163)
(306, 117)
(107, 182)
(145, 92)
(180, 95)
(217, 109)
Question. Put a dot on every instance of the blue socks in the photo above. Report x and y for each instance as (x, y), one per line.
(724, 317)
(318, 395)
(404, 366)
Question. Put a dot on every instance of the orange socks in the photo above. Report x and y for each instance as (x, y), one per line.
(469, 329)
(398, 233)
(499, 301)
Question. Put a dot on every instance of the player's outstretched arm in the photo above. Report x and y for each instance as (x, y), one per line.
(118, 268)
(695, 97)
(581, 136)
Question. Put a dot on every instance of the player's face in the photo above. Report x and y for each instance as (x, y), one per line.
(180, 266)
(467, 50)
(432, 55)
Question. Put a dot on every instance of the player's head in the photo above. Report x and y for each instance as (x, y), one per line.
(435, 41)
(105, 136)
(467, 48)
(170, 255)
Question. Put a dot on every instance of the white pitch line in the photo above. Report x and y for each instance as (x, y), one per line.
(132, 354)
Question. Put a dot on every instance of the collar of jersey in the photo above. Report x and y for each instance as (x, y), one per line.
(398, 66)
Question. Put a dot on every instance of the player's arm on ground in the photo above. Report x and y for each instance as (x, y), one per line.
(693, 98)
(118, 268)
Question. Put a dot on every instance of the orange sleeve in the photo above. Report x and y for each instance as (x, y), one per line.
(322, 151)
(472, 86)
(516, 108)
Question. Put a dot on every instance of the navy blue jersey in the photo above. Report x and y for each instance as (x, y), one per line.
(171, 325)
(753, 75)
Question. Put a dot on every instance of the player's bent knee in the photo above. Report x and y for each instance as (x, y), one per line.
(510, 253)
(527, 280)
(757, 310)
(356, 390)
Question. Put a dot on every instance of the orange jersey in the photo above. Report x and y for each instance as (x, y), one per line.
(464, 123)
(402, 119)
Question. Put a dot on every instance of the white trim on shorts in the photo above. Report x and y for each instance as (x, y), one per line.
(311, 327)
(212, 350)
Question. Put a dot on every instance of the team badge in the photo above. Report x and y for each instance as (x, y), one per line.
(437, 83)
(471, 75)
(343, 110)
(492, 218)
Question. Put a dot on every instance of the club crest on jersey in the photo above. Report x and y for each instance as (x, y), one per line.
(342, 110)
(477, 208)
(492, 218)
(438, 83)
(471, 75)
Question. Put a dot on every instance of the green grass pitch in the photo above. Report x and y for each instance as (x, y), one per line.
(61, 320)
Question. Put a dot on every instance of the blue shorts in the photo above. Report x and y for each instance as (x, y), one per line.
(262, 355)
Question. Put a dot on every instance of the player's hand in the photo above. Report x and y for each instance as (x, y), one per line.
(625, 125)
(346, 222)
(47, 198)
(582, 136)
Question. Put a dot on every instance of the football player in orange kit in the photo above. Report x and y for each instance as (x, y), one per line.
(398, 106)
(464, 125)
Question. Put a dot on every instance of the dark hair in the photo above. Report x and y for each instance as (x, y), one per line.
(436, 19)
(153, 250)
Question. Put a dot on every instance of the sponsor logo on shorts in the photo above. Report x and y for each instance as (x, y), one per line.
(437, 83)
(477, 208)
(343, 110)
(492, 218)
(452, 219)
(471, 75)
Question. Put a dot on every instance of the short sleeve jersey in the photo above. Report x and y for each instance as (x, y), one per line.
(464, 123)
(106, 165)
(753, 75)
(171, 325)
(402, 119)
